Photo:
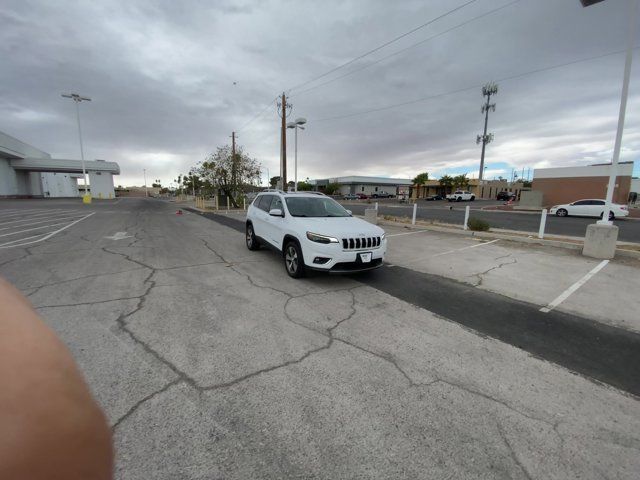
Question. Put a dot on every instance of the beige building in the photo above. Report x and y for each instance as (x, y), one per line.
(487, 189)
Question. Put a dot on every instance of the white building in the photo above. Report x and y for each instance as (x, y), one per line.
(26, 171)
(366, 185)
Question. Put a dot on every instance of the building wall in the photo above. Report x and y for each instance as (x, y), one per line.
(59, 185)
(8, 179)
(368, 189)
(566, 190)
(101, 185)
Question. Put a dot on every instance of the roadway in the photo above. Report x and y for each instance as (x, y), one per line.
(210, 362)
(629, 229)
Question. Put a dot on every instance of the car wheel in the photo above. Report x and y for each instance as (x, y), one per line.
(562, 212)
(252, 241)
(459, 199)
(293, 260)
(473, 198)
(611, 215)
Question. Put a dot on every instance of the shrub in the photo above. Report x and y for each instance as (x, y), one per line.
(478, 225)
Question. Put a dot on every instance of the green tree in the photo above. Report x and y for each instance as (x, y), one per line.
(228, 173)
(447, 182)
(332, 188)
(304, 186)
(421, 178)
(273, 181)
(461, 181)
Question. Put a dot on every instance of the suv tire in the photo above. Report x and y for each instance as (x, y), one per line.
(473, 197)
(293, 260)
(251, 239)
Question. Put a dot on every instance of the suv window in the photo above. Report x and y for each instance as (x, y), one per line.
(276, 203)
(264, 202)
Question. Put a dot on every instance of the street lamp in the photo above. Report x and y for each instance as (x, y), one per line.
(296, 125)
(77, 99)
(144, 172)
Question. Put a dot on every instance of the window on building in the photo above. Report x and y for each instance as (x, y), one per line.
(362, 189)
(376, 189)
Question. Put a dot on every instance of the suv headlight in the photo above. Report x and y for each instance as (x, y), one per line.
(383, 236)
(315, 237)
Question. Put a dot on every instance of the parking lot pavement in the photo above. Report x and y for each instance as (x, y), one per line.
(212, 363)
(531, 273)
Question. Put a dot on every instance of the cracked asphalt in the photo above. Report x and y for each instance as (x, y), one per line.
(211, 363)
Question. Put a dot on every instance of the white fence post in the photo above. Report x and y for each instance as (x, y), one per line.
(244, 203)
(466, 217)
(376, 206)
(415, 209)
(543, 223)
(227, 203)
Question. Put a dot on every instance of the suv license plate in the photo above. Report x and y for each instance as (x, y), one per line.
(365, 257)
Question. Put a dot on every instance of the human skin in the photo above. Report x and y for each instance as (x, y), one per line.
(50, 425)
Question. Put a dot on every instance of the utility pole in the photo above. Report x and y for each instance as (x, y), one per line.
(234, 167)
(282, 110)
(77, 99)
(488, 90)
(144, 171)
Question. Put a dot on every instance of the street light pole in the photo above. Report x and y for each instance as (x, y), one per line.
(144, 172)
(77, 99)
(296, 125)
(613, 173)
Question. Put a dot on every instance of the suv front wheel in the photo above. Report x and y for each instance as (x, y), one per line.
(293, 260)
(252, 241)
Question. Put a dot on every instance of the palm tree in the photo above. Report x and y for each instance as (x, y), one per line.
(446, 181)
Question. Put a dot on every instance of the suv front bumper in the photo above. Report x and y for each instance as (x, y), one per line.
(340, 260)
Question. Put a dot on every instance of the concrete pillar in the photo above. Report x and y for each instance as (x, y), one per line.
(371, 215)
(600, 241)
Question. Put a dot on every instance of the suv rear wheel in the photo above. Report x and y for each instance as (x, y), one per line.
(293, 260)
(252, 241)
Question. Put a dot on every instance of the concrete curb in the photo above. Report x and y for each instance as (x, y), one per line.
(561, 242)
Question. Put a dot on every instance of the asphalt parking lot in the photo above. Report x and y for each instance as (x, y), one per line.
(210, 362)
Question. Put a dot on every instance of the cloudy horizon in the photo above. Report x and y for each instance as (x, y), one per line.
(170, 81)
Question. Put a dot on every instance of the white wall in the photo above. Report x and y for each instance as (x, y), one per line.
(635, 185)
(101, 185)
(59, 185)
(624, 169)
(8, 180)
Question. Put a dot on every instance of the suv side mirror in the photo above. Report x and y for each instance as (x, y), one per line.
(276, 212)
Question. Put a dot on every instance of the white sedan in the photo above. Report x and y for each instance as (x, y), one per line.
(591, 207)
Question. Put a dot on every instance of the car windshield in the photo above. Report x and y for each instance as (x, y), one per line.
(315, 207)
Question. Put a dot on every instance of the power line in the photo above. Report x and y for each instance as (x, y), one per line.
(460, 90)
(383, 45)
(255, 117)
(407, 48)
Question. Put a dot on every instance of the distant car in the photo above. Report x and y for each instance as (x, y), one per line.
(506, 196)
(362, 196)
(382, 194)
(591, 207)
(432, 198)
(350, 196)
(461, 195)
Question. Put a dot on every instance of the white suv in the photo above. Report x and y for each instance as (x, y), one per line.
(313, 231)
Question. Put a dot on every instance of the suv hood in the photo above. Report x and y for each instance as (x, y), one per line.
(340, 227)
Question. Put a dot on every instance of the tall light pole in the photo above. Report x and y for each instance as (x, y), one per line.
(613, 173)
(144, 172)
(488, 90)
(77, 99)
(296, 125)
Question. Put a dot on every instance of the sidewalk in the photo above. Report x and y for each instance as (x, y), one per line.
(534, 273)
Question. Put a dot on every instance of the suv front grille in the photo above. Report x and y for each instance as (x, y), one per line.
(360, 242)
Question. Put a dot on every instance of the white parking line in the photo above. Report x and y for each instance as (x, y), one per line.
(406, 233)
(8, 244)
(17, 218)
(39, 220)
(32, 229)
(465, 248)
(564, 295)
(26, 212)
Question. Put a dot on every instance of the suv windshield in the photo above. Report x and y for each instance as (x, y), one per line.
(315, 207)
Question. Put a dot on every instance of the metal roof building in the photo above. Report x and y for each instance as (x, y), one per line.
(26, 171)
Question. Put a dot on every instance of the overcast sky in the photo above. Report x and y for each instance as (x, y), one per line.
(161, 76)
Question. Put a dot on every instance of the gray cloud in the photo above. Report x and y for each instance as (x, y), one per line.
(161, 76)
